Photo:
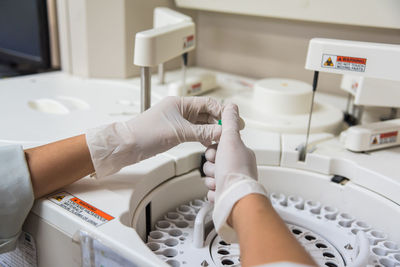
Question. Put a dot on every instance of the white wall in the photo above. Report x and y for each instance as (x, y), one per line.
(267, 47)
(97, 36)
(102, 35)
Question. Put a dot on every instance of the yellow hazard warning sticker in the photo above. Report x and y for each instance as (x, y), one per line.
(58, 197)
(344, 63)
(384, 138)
(80, 208)
(188, 41)
(195, 88)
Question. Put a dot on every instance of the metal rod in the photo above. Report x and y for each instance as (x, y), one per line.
(303, 152)
(161, 73)
(183, 88)
(145, 103)
(184, 66)
(145, 89)
(349, 99)
(393, 113)
(358, 112)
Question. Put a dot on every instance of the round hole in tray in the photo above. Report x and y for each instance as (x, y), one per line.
(184, 208)
(172, 215)
(377, 234)
(299, 206)
(223, 243)
(171, 242)
(153, 246)
(390, 245)
(362, 224)
(175, 232)
(296, 231)
(156, 234)
(387, 262)
(173, 263)
(316, 211)
(331, 216)
(310, 237)
(190, 217)
(227, 262)
(197, 203)
(328, 255)
(275, 196)
(397, 257)
(163, 224)
(345, 224)
(345, 216)
(379, 251)
(170, 252)
(223, 252)
(329, 209)
(321, 245)
(294, 198)
(312, 203)
(182, 224)
(355, 231)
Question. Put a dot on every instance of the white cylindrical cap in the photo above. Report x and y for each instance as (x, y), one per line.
(282, 96)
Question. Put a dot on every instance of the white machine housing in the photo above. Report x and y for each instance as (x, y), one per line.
(334, 193)
(375, 65)
(372, 92)
(163, 16)
(373, 136)
(159, 45)
(172, 178)
(373, 60)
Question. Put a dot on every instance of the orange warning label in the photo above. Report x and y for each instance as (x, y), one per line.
(194, 88)
(188, 41)
(389, 134)
(354, 60)
(93, 209)
(80, 208)
(384, 138)
(344, 63)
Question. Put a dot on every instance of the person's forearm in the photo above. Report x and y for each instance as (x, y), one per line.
(263, 236)
(55, 165)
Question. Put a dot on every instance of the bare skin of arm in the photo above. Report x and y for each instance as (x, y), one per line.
(58, 164)
(263, 236)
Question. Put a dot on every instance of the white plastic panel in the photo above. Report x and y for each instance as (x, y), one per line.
(187, 156)
(41, 108)
(375, 60)
(159, 45)
(266, 145)
(314, 162)
(375, 170)
(163, 16)
(351, 198)
(374, 13)
(372, 92)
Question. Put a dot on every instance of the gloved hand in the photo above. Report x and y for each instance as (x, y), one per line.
(235, 172)
(172, 121)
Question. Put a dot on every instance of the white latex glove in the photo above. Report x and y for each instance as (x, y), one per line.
(235, 172)
(172, 121)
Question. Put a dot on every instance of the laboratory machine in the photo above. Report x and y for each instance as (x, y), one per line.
(341, 200)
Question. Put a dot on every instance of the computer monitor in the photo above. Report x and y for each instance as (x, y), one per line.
(24, 35)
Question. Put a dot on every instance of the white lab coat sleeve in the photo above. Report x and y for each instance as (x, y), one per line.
(16, 195)
(283, 264)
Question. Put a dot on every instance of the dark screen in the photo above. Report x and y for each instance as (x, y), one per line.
(21, 23)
